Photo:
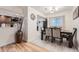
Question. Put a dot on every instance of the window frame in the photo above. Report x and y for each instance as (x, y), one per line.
(63, 26)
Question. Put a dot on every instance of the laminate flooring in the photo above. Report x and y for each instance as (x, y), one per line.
(22, 47)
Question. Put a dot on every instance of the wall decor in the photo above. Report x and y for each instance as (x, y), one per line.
(76, 13)
(32, 16)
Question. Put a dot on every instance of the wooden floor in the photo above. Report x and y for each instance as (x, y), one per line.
(22, 47)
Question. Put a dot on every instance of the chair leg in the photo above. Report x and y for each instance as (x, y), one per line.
(61, 40)
(46, 38)
(70, 45)
(52, 40)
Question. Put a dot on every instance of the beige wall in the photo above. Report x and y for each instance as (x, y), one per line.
(25, 24)
(33, 34)
(67, 19)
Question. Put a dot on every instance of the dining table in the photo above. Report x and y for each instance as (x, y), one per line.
(64, 34)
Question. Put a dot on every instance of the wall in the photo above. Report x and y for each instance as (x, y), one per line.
(33, 34)
(67, 19)
(7, 33)
(76, 25)
(25, 24)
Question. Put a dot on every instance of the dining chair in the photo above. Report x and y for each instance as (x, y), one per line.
(48, 33)
(70, 39)
(56, 33)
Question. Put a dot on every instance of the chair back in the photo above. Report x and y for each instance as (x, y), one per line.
(56, 32)
(48, 32)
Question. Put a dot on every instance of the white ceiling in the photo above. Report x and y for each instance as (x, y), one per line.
(45, 9)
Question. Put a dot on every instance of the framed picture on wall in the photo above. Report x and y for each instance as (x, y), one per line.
(76, 13)
(32, 16)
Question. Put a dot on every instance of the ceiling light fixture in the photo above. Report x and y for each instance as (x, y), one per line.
(52, 9)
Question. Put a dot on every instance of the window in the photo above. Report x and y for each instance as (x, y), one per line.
(57, 21)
